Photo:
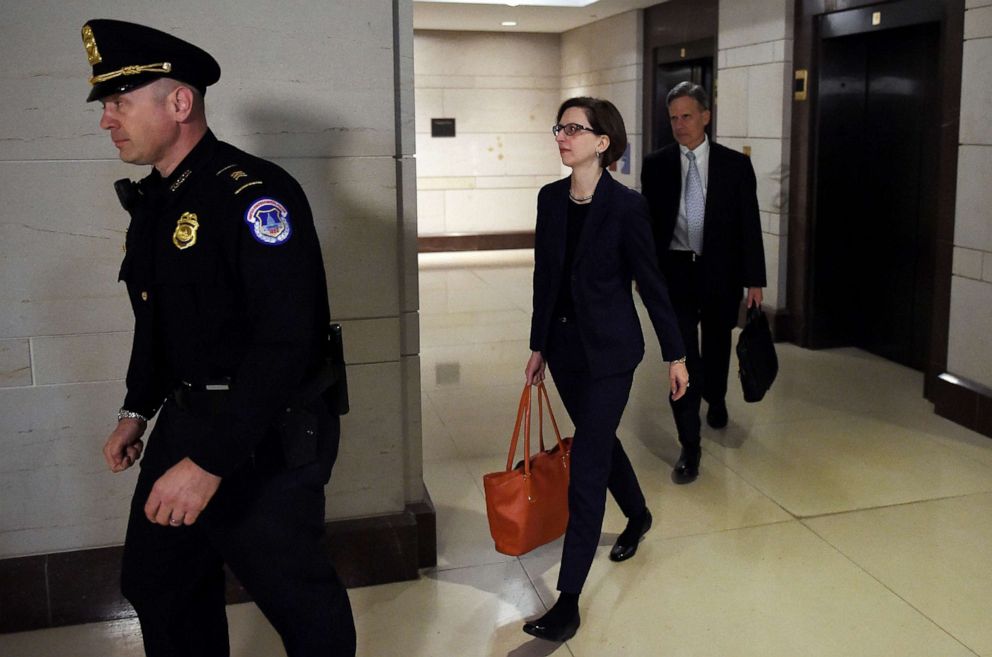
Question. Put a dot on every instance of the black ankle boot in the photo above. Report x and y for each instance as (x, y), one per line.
(561, 621)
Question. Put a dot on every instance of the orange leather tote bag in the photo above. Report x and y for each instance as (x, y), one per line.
(527, 505)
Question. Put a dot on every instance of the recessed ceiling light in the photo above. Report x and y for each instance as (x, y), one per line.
(509, 23)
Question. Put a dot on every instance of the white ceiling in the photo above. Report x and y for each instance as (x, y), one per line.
(487, 18)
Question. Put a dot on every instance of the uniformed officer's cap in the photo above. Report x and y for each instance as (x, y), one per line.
(127, 55)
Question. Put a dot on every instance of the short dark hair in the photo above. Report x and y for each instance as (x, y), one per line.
(690, 89)
(604, 119)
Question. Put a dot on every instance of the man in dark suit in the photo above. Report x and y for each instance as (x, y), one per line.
(704, 211)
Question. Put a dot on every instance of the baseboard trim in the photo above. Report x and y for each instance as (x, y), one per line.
(476, 242)
(82, 586)
(966, 402)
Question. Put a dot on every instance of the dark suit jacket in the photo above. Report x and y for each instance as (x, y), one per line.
(615, 247)
(733, 257)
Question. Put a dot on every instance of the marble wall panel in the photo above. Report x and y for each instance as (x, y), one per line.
(333, 111)
(354, 206)
(406, 168)
(602, 76)
(978, 23)
(974, 4)
(967, 263)
(973, 226)
(403, 75)
(430, 104)
(484, 210)
(488, 55)
(410, 333)
(80, 358)
(968, 354)
(501, 110)
(775, 270)
(783, 50)
(732, 103)
(483, 154)
(609, 43)
(976, 95)
(771, 170)
(56, 492)
(430, 212)
(369, 476)
(413, 424)
(371, 340)
(759, 53)
(15, 363)
(766, 101)
(747, 22)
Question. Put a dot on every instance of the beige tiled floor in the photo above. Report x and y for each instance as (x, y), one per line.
(838, 518)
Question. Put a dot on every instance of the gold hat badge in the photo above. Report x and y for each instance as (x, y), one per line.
(185, 233)
(89, 42)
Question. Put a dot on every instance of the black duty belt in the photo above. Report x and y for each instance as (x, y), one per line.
(683, 256)
(202, 398)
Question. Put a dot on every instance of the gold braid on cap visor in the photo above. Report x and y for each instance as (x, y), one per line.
(163, 67)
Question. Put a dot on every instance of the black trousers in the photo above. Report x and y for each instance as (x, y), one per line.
(266, 522)
(709, 362)
(598, 461)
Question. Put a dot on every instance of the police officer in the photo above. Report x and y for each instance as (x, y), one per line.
(225, 277)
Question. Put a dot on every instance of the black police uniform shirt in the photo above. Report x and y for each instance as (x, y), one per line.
(225, 276)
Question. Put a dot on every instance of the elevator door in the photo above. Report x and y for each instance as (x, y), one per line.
(667, 75)
(874, 178)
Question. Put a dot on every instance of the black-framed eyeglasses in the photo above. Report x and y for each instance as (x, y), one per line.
(570, 129)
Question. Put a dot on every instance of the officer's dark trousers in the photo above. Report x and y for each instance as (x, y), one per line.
(709, 363)
(266, 522)
(598, 461)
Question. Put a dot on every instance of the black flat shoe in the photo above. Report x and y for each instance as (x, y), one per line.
(716, 415)
(553, 629)
(626, 545)
(687, 467)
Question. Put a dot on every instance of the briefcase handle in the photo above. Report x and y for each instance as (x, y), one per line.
(523, 418)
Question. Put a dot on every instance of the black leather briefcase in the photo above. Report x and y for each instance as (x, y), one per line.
(756, 356)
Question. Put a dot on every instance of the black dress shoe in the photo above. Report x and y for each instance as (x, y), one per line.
(687, 467)
(716, 415)
(552, 627)
(626, 545)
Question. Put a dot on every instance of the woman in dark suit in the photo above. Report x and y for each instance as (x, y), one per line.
(593, 238)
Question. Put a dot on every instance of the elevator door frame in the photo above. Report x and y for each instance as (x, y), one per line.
(795, 323)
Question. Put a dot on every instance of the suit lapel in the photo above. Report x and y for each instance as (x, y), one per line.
(674, 178)
(714, 179)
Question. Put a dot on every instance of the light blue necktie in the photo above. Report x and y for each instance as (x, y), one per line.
(695, 204)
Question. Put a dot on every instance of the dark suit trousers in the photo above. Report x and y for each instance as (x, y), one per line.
(709, 363)
(598, 460)
(266, 522)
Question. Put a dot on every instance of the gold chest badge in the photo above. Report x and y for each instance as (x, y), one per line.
(185, 233)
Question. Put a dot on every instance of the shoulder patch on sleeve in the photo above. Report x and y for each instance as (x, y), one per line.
(268, 220)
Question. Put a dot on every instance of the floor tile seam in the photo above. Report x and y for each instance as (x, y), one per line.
(888, 588)
(878, 507)
(727, 530)
(533, 584)
(752, 484)
(457, 567)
